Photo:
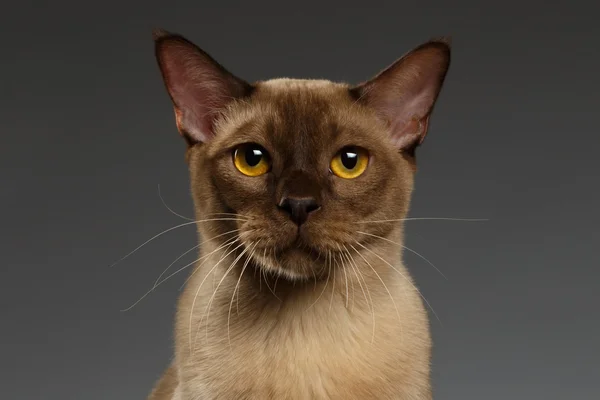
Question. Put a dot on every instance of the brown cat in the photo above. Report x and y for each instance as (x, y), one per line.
(300, 188)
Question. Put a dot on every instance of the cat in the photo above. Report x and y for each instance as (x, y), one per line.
(299, 189)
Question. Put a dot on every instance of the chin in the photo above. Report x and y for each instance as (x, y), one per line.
(295, 263)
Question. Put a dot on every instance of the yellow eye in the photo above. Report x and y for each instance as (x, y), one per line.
(350, 162)
(251, 159)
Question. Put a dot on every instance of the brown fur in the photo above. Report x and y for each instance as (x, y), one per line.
(327, 314)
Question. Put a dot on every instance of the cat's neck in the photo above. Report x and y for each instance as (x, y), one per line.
(359, 281)
(366, 296)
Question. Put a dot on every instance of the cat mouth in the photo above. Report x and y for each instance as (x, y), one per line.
(297, 260)
(302, 242)
(298, 246)
(296, 252)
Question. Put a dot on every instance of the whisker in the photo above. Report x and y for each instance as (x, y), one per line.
(346, 279)
(427, 219)
(174, 261)
(198, 291)
(235, 290)
(208, 306)
(314, 280)
(260, 271)
(169, 230)
(275, 284)
(357, 273)
(332, 287)
(173, 274)
(227, 244)
(322, 291)
(402, 275)
(169, 208)
(193, 248)
(237, 300)
(379, 277)
(342, 254)
(405, 247)
(239, 216)
(267, 281)
(387, 290)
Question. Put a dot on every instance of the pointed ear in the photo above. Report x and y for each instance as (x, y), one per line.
(200, 88)
(404, 93)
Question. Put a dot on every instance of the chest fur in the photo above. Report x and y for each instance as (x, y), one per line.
(328, 351)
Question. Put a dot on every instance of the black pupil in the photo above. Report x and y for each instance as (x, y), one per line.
(349, 159)
(253, 156)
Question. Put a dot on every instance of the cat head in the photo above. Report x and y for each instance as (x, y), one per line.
(294, 169)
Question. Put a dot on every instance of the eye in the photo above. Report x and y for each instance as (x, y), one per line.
(350, 162)
(251, 159)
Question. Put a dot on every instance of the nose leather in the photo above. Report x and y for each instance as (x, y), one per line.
(300, 195)
(298, 208)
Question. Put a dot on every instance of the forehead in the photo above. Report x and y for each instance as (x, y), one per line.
(299, 117)
(304, 115)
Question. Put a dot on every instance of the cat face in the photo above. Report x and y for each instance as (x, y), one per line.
(303, 165)
(300, 167)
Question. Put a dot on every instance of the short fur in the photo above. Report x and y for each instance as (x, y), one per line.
(324, 311)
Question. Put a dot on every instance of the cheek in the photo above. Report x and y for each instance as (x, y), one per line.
(383, 192)
(361, 194)
(240, 192)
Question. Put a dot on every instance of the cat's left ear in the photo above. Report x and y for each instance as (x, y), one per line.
(200, 88)
(405, 92)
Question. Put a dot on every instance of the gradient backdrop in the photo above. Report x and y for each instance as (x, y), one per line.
(87, 134)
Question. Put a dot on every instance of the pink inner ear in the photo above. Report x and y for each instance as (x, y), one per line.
(199, 87)
(404, 93)
(409, 116)
(197, 100)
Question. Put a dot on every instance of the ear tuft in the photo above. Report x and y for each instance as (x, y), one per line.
(447, 40)
(159, 33)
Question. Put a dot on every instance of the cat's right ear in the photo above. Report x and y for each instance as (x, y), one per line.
(199, 87)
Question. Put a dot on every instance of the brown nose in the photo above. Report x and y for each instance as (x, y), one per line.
(298, 208)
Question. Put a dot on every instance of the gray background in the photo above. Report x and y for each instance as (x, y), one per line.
(87, 134)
